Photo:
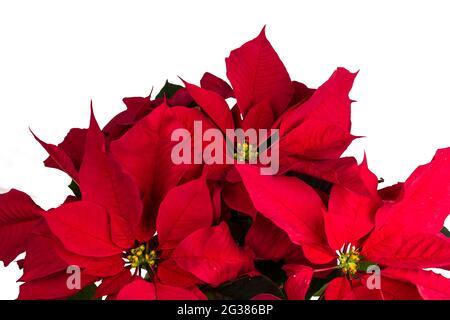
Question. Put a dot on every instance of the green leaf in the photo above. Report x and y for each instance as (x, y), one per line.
(169, 90)
(75, 189)
(243, 288)
(319, 292)
(87, 293)
(445, 232)
(363, 265)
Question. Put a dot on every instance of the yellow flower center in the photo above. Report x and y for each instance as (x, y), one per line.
(246, 152)
(348, 260)
(142, 257)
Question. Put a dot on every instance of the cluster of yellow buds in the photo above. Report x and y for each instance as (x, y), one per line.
(246, 152)
(142, 257)
(348, 261)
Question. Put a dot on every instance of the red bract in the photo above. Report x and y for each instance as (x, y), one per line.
(140, 225)
(145, 154)
(401, 237)
(18, 217)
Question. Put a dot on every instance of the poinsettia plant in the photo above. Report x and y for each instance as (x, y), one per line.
(175, 198)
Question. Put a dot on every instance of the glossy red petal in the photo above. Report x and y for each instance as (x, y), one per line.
(337, 289)
(237, 198)
(256, 74)
(288, 202)
(53, 286)
(329, 103)
(103, 181)
(391, 193)
(164, 292)
(18, 217)
(343, 171)
(213, 83)
(60, 158)
(430, 285)
(318, 254)
(213, 105)
(145, 154)
(398, 290)
(408, 250)
(73, 146)
(114, 284)
(83, 227)
(212, 255)
(95, 266)
(41, 258)
(349, 218)
(267, 241)
(185, 209)
(316, 139)
(139, 289)
(425, 200)
(299, 279)
(170, 273)
(260, 116)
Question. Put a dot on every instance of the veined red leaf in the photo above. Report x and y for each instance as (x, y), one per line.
(18, 217)
(185, 209)
(256, 74)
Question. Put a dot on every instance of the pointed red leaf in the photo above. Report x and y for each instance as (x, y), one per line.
(185, 209)
(145, 154)
(260, 116)
(113, 284)
(83, 227)
(212, 256)
(337, 289)
(350, 217)
(95, 266)
(41, 259)
(267, 241)
(288, 202)
(422, 250)
(53, 286)
(316, 139)
(103, 181)
(18, 217)
(213, 83)
(329, 103)
(299, 279)
(170, 273)
(73, 146)
(431, 286)
(213, 105)
(425, 200)
(60, 158)
(140, 289)
(256, 74)
(237, 198)
(398, 290)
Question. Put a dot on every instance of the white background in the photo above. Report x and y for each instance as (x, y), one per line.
(57, 55)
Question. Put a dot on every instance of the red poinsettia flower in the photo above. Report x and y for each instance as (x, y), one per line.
(107, 227)
(314, 124)
(401, 236)
(23, 229)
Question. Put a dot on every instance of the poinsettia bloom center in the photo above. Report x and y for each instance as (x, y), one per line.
(246, 152)
(142, 257)
(349, 259)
